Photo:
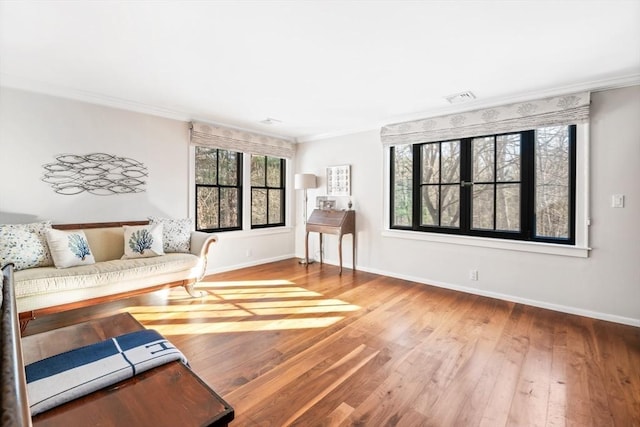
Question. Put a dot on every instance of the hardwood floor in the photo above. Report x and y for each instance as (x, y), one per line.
(287, 346)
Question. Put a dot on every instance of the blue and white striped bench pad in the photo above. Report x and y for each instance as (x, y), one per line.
(67, 376)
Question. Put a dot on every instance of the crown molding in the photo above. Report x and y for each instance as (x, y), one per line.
(592, 86)
(29, 85)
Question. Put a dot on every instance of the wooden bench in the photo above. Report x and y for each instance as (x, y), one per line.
(168, 395)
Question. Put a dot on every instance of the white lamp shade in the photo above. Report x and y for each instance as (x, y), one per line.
(302, 181)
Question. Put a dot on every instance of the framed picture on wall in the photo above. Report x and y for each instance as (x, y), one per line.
(328, 205)
(320, 201)
(339, 180)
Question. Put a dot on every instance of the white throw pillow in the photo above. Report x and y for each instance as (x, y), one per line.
(142, 241)
(25, 245)
(69, 248)
(176, 233)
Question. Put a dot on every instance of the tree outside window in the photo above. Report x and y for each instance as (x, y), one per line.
(519, 185)
(267, 191)
(218, 189)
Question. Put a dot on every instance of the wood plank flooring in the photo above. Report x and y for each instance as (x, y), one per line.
(289, 346)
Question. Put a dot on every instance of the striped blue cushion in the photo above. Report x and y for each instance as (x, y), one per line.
(67, 376)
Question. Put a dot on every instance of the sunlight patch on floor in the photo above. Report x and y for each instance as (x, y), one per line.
(250, 283)
(256, 291)
(222, 306)
(292, 293)
(197, 312)
(246, 326)
(243, 306)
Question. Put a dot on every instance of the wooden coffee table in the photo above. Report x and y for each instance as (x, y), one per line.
(168, 395)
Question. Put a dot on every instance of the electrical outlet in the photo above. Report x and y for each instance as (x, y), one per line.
(473, 274)
(248, 253)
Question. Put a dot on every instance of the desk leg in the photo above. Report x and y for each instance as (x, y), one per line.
(340, 252)
(321, 249)
(306, 250)
(354, 250)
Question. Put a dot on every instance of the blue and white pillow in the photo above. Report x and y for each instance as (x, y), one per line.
(69, 248)
(142, 241)
(25, 245)
(176, 233)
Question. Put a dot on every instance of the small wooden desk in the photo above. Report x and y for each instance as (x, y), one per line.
(168, 395)
(331, 222)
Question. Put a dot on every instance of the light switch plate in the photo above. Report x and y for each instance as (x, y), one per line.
(617, 201)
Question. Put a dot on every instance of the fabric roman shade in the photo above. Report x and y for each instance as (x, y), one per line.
(557, 110)
(240, 140)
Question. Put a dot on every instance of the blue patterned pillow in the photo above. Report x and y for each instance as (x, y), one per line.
(176, 233)
(69, 248)
(142, 241)
(25, 245)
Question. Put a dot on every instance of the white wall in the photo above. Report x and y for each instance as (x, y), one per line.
(605, 285)
(35, 129)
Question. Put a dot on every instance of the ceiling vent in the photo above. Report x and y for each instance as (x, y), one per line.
(270, 121)
(461, 97)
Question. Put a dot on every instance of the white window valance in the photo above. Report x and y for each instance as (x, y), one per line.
(557, 110)
(240, 140)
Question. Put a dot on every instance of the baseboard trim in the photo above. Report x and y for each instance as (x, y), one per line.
(247, 264)
(506, 297)
(497, 295)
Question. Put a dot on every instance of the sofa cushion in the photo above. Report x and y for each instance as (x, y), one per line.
(69, 248)
(142, 241)
(176, 233)
(25, 245)
(50, 279)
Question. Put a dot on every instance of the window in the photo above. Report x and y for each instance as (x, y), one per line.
(218, 189)
(518, 185)
(267, 191)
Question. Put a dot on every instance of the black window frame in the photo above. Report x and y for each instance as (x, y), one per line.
(527, 192)
(218, 187)
(281, 188)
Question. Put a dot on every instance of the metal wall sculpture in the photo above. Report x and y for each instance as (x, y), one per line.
(96, 173)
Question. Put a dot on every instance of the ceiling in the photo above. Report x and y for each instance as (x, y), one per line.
(322, 68)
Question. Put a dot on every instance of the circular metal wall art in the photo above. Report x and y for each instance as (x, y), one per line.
(96, 173)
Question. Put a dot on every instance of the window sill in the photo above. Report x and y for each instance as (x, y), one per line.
(483, 242)
(243, 234)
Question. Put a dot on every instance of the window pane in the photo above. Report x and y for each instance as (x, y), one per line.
(482, 159)
(508, 207)
(258, 173)
(430, 163)
(228, 167)
(482, 207)
(273, 172)
(206, 165)
(275, 206)
(207, 203)
(430, 205)
(402, 185)
(229, 213)
(450, 206)
(508, 161)
(258, 206)
(450, 152)
(552, 182)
